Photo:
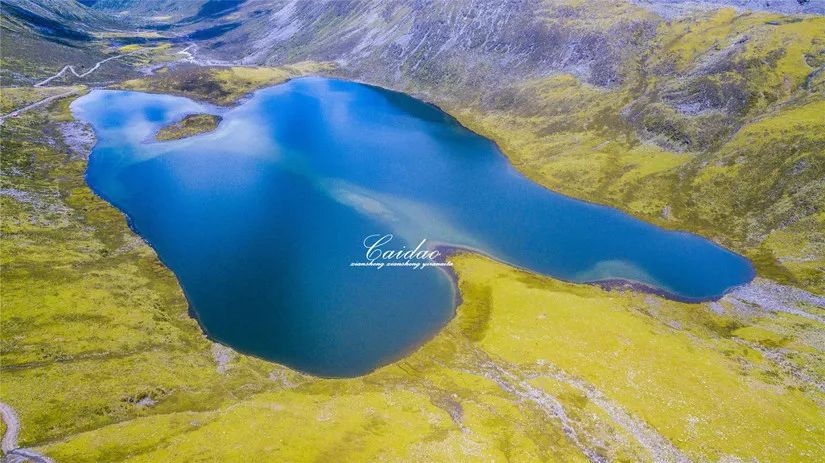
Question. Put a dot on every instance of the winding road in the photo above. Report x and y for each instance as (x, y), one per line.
(70, 68)
(94, 68)
(12, 453)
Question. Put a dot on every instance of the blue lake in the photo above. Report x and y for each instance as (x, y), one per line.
(261, 219)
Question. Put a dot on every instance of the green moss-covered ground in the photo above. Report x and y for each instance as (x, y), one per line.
(191, 125)
(718, 130)
(92, 322)
(103, 363)
(221, 86)
(12, 98)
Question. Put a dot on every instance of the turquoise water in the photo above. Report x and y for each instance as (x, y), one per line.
(261, 219)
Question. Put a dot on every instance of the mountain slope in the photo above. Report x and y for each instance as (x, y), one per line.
(655, 105)
(665, 98)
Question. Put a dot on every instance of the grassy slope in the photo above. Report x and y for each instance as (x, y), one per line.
(131, 377)
(465, 392)
(696, 391)
(747, 170)
(92, 322)
(12, 98)
(223, 86)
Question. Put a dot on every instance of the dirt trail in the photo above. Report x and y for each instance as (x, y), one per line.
(42, 102)
(9, 446)
(9, 442)
(94, 68)
(67, 68)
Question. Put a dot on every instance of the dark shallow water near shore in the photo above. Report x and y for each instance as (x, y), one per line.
(261, 219)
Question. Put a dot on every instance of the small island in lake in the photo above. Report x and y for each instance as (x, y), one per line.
(189, 126)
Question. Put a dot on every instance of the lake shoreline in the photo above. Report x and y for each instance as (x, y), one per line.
(530, 197)
(611, 284)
